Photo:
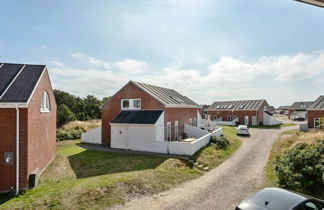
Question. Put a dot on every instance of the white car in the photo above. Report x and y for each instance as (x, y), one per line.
(242, 130)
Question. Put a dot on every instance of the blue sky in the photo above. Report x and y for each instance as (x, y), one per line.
(206, 49)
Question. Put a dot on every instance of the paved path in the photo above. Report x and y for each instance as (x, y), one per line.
(223, 187)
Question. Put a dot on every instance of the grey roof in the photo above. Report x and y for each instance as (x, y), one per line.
(138, 116)
(318, 104)
(237, 105)
(17, 81)
(284, 107)
(301, 105)
(166, 96)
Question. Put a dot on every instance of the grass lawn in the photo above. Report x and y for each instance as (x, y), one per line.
(286, 140)
(89, 179)
(271, 126)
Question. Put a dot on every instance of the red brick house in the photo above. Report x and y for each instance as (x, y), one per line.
(148, 112)
(27, 124)
(247, 112)
(315, 113)
(299, 109)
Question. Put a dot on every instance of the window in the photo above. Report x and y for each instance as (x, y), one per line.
(137, 103)
(229, 118)
(317, 122)
(131, 103)
(215, 117)
(169, 131)
(125, 104)
(190, 121)
(8, 158)
(45, 104)
(176, 130)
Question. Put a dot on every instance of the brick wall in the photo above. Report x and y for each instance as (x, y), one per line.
(41, 128)
(8, 144)
(182, 115)
(311, 115)
(37, 137)
(113, 106)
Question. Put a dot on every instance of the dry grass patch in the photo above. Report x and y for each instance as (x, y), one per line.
(82, 125)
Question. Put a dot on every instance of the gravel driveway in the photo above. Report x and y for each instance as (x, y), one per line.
(223, 187)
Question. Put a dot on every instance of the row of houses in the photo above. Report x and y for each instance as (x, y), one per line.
(312, 111)
(137, 117)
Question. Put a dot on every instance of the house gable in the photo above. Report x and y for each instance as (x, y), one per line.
(113, 106)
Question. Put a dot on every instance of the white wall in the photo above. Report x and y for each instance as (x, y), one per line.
(143, 138)
(190, 148)
(270, 120)
(136, 137)
(194, 131)
(93, 136)
(214, 123)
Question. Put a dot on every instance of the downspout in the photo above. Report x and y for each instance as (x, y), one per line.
(17, 150)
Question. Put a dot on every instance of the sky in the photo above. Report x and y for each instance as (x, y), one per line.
(208, 50)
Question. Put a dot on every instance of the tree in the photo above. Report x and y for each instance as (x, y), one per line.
(64, 115)
(92, 107)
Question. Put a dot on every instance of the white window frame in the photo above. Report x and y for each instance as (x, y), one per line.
(176, 130)
(131, 103)
(214, 117)
(319, 122)
(229, 117)
(190, 121)
(45, 103)
(169, 131)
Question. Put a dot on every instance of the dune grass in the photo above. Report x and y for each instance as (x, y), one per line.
(89, 179)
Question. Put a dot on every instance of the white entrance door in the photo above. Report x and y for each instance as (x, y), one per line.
(176, 131)
(254, 120)
(169, 131)
(246, 120)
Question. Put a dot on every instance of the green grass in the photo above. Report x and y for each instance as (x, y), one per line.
(88, 179)
(271, 126)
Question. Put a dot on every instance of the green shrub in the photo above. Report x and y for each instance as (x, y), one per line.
(68, 134)
(301, 168)
(64, 115)
(220, 142)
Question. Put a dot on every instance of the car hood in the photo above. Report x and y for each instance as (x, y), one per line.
(248, 205)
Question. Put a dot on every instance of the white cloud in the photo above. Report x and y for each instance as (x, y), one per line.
(272, 78)
(132, 66)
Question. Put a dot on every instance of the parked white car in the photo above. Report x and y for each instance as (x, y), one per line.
(242, 130)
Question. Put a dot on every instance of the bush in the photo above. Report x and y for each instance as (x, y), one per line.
(301, 168)
(221, 142)
(64, 115)
(68, 134)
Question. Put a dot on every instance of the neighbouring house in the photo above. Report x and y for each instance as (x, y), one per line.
(247, 112)
(283, 110)
(204, 109)
(145, 117)
(315, 113)
(299, 109)
(27, 124)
